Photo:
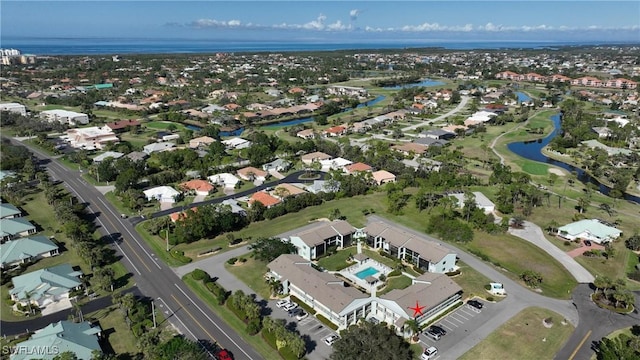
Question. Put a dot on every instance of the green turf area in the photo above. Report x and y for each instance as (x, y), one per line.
(533, 167)
(472, 282)
(337, 261)
(112, 323)
(163, 125)
(251, 272)
(396, 282)
(524, 337)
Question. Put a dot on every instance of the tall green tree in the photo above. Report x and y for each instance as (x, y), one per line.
(367, 341)
(268, 249)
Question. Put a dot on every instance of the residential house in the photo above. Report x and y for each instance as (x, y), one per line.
(137, 156)
(123, 125)
(236, 143)
(312, 241)
(157, 147)
(8, 211)
(410, 149)
(80, 339)
(202, 141)
(25, 250)
(213, 108)
(165, 194)
(325, 186)
(410, 247)
(347, 91)
(481, 201)
(107, 154)
(306, 134)
(250, 173)
(181, 215)
(285, 190)
(620, 83)
(234, 207)
(50, 286)
(335, 164)
(199, 187)
(589, 229)
(227, 180)
(437, 134)
(11, 228)
(560, 78)
(509, 75)
(603, 132)
(357, 167)
(533, 77)
(277, 165)
(428, 141)
(589, 81)
(90, 138)
(383, 177)
(335, 131)
(317, 156)
(71, 118)
(263, 198)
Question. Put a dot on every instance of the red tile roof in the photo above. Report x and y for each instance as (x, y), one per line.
(198, 185)
(264, 198)
(122, 124)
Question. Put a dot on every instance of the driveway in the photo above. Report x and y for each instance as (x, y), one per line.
(463, 102)
(533, 234)
(582, 249)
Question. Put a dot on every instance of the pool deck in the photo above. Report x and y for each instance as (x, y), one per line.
(351, 271)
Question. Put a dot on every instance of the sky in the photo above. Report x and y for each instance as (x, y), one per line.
(303, 20)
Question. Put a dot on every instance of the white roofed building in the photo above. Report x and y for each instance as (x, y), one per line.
(90, 138)
(14, 108)
(65, 117)
(165, 194)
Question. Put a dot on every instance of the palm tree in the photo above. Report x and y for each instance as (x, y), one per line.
(582, 203)
(275, 286)
(602, 283)
(412, 326)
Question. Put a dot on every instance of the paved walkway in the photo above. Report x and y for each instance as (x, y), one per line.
(533, 234)
(199, 198)
(276, 174)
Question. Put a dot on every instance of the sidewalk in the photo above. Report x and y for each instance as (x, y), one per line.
(533, 234)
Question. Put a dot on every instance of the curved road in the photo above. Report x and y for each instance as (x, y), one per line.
(184, 310)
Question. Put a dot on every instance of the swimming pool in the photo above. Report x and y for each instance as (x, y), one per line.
(362, 274)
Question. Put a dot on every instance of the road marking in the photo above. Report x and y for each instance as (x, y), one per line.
(447, 320)
(456, 319)
(184, 326)
(130, 234)
(468, 313)
(211, 320)
(113, 240)
(573, 354)
(462, 316)
(445, 326)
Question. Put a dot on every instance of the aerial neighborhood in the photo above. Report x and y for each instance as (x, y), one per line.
(286, 204)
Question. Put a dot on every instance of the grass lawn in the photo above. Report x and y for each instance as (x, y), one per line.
(112, 323)
(158, 246)
(472, 282)
(162, 125)
(251, 273)
(337, 261)
(517, 255)
(396, 282)
(533, 167)
(257, 342)
(524, 337)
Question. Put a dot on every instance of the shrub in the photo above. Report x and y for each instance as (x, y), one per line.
(490, 298)
(454, 273)
(634, 275)
(253, 326)
(487, 287)
(235, 241)
(10, 302)
(418, 269)
(179, 255)
(243, 260)
(199, 274)
(394, 273)
(232, 261)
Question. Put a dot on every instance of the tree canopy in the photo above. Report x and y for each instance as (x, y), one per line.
(370, 342)
(268, 249)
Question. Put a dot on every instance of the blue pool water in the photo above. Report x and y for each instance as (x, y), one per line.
(362, 274)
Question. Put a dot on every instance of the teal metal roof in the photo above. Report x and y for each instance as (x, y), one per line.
(15, 226)
(60, 337)
(593, 226)
(49, 281)
(8, 210)
(25, 248)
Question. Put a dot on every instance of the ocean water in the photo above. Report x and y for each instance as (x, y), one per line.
(99, 46)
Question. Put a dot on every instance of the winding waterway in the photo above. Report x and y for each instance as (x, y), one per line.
(532, 150)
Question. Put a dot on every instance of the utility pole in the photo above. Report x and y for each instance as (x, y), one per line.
(153, 311)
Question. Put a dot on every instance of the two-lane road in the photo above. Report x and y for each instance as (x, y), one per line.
(179, 305)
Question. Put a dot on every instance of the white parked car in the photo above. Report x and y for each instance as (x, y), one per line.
(302, 315)
(429, 353)
(329, 340)
(290, 306)
(282, 303)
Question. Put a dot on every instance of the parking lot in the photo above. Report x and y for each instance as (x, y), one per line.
(310, 326)
(459, 324)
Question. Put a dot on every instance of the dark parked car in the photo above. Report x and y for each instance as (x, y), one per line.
(294, 312)
(587, 242)
(475, 303)
(437, 329)
(432, 334)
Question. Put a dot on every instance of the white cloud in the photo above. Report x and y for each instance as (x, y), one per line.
(319, 24)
